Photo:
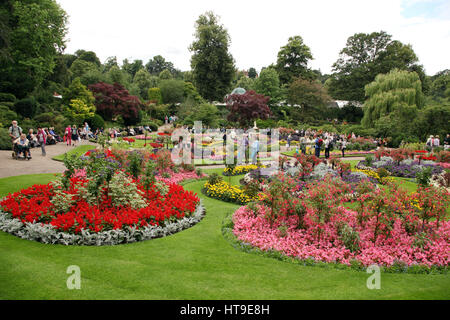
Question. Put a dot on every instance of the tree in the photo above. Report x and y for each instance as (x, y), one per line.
(132, 68)
(247, 107)
(268, 84)
(115, 74)
(90, 56)
(79, 111)
(307, 93)
(207, 113)
(293, 59)
(246, 83)
(156, 65)
(397, 94)
(29, 43)
(165, 75)
(114, 100)
(441, 83)
(252, 73)
(78, 91)
(143, 80)
(172, 91)
(212, 65)
(190, 93)
(80, 67)
(154, 95)
(364, 57)
(109, 63)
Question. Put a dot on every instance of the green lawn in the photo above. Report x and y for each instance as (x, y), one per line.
(80, 150)
(197, 263)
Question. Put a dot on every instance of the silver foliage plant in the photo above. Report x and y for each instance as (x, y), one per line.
(47, 234)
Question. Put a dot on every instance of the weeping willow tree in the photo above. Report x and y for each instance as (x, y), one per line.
(396, 95)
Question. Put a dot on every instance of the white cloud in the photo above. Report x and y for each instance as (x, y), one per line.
(141, 29)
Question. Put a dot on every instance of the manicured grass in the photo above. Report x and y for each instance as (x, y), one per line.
(197, 263)
(80, 150)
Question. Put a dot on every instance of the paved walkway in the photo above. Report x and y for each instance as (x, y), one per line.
(37, 164)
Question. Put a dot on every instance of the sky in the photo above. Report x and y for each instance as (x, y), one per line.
(142, 29)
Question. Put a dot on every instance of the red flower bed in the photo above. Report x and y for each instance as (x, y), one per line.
(156, 145)
(34, 204)
(130, 140)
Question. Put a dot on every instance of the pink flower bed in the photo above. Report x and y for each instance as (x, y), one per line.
(179, 176)
(303, 243)
(444, 165)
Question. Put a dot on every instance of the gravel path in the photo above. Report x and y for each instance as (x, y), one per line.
(37, 164)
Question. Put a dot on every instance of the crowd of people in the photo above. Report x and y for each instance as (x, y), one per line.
(22, 142)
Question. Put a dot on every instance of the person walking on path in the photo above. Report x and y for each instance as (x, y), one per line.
(327, 147)
(343, 147)
(68, 135)
(74, 135)
(42, 139)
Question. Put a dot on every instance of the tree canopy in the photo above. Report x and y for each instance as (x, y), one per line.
(212, 65)
(363, 58)
(29, 43)
(398, 92)
(247, 107)
(292, 60)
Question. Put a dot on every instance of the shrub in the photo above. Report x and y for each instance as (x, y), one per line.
(7, 97)
(214, 178)
(5, 141)
(423, 177)
(26, 107)
(369, 160)
(96, 122)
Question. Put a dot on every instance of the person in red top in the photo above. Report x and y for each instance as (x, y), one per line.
(68, 135)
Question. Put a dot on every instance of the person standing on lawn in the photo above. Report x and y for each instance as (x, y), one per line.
(343, 147)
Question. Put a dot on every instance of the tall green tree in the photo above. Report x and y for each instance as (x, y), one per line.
(212, 65)
(143, 80)
(292, 60)
(363, 58)
(156, 65)
(310, 96)
(32, 36)
(268, 84)
(397, 94)
(132, 67)
(252, 73)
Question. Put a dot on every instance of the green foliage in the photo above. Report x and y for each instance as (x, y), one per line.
(96, 122)
(135, 164)
(349, 237)
(6, 116)
(190, 92)
(172, 91)
(268, 84)
(212, 65)
(423, 177)
(5, 140)
(392, 105)
(364, 57)
(79, 68)
(32, 45)
(143, 81)
(77, 90)
(7, 97)
(214, 178)
(26, 107)
(79, 111)
(154, 95)
(293, 59)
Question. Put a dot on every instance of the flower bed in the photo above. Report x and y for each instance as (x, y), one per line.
(226, 192)
(389, 228)
(96, 195)
(238, 170)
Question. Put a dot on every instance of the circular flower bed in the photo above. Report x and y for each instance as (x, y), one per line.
(387, 227)
(96, 202)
